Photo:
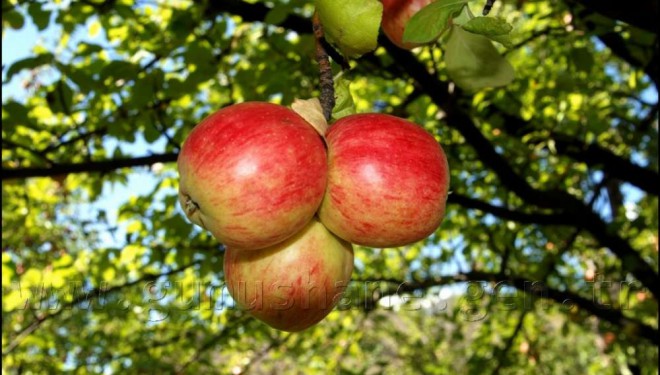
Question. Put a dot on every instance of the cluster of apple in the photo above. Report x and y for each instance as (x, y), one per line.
(352, 27)
(288, 203)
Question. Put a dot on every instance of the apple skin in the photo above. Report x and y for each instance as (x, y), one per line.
(253, 174)
(388, 181)
(396, 14)
(292, 285)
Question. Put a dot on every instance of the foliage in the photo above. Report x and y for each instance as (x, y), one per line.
(546, 262)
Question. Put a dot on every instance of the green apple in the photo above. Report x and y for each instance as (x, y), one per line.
(351, 26)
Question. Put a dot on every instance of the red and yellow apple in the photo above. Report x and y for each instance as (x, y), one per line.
(253, 174)
(388, 181)
(292, 285)
(396, 14)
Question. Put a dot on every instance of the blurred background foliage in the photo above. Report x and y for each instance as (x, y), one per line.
(547, 261)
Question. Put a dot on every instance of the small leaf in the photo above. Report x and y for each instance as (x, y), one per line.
(474, 63)
(13, 114)
(504, 40)
(488, 26)
(312, 112)
(14, 19)
(28, 63)
(582, 59)
(151, 134)
(431, 21)
(182, 23)
(60, 98)
(277, 15)
(40, 17)
(119, 69)
(344, 104)
(82, 78)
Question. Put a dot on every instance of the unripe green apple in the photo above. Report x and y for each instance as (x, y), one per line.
(351, 26)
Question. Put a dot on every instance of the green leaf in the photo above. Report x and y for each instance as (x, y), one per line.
(119, 70)
(182, 24)
(488, 26)
(13, 113)
(28, 63)
(200, 55)
(504, 40)
(351, 25)
(40, 17)
(277, 15)
(81, 78)
(14, 19)
(582, 59)
(86, 49)
(60, 98)
(143, 92)
(474, 63)
(344, 104)
(431, 21)
(151, 134)
(496, 29)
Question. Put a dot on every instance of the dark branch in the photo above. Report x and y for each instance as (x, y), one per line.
(501, 358)
(530, 287)
(615, 166)
(513, 215)
(642, 14)
(591, 154)
(439, 92)
(104, 166)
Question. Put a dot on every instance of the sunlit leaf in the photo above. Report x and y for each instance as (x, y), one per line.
(431, 21)
(488, 26)
(474, 63)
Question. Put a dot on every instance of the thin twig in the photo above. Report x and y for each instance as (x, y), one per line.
(509, 343)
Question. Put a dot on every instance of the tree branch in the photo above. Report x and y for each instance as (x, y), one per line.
(615, 166)
(509, 343)
(513, 215)
(209, 344)
(103, 166)
(529, 287)
(642, 14)
(591, 154)
(439, 92)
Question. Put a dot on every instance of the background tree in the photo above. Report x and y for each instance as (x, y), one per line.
(547, 260)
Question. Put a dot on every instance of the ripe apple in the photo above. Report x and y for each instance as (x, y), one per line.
(292, 285)
(388, 181)
(396, 14)
(253, 174)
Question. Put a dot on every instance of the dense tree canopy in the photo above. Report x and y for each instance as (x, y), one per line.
(546, 262)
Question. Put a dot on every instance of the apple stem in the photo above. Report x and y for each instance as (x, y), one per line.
(325, 70)
(488, 7)
(190, 205)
